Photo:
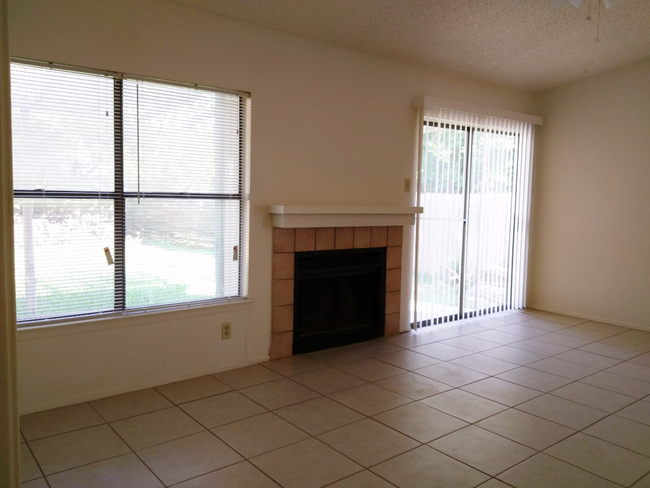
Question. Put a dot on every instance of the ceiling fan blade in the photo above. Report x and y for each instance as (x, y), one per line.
(557, 4)
(612, 3)
(561, 3)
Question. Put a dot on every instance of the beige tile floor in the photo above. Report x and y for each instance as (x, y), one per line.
(523, 399)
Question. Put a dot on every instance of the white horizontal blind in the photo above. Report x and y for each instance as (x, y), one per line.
(183, 187)
(62, 125)
(151, 171)
(474, 185)
(63, 129)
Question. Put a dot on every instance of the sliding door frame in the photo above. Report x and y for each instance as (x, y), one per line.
(468, 167)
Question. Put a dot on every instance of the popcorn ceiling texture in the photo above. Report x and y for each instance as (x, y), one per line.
(518, 43)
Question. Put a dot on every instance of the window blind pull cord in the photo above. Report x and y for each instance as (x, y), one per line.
(137, 110)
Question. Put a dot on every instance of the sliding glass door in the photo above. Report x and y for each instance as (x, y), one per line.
(490, 212)
(467, 233)
(442, 225)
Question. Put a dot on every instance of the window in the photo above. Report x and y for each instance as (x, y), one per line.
(129, 194)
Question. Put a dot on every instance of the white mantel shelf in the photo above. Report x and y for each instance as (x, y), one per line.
(303, 216)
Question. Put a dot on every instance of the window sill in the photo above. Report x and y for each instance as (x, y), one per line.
(129, 319)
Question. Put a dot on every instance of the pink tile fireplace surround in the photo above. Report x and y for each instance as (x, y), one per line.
(287, 241)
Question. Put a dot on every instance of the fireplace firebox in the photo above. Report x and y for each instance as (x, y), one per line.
(339, 297)
(287, 242)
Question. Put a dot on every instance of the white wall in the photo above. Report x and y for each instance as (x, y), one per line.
(328, 127)
(590, 252)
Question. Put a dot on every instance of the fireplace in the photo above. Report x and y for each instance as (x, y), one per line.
(384, 243)
(339, 297)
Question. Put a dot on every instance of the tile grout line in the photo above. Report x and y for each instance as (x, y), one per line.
(89, 464)
(129, 447)
(516, 384)
(67, 431)
(359, 472)
(351, 423)
(551, 356)
(265, 452)
(574, 381)
(581, 430)
(40, 469)
(403, 372)
(245, 461)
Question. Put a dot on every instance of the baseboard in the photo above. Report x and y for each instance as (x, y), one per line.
(593, 318)
(141, 385)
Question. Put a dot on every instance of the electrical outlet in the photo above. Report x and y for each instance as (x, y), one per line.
(226, 330)
(407, 185)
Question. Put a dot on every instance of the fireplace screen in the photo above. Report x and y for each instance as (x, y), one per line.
(339, 297)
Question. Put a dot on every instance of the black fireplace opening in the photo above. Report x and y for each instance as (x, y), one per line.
(339, 298)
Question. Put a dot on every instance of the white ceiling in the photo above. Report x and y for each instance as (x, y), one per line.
(519, 43)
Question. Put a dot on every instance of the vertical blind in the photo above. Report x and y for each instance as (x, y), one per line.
(471, 240)
(129, 194)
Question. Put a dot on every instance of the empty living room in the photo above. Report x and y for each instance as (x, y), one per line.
(309, 243)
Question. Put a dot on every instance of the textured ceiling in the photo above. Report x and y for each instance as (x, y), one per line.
(519, 43)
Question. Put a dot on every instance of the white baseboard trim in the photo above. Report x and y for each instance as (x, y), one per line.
(88, 396)
(593, 318)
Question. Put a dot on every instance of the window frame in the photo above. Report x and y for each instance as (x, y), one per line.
(119, 197)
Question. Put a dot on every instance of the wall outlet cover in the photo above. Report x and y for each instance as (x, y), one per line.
(226, 330)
